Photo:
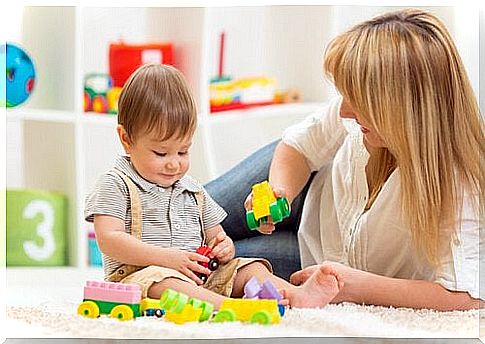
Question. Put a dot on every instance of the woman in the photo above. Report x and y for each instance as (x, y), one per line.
(394, 207)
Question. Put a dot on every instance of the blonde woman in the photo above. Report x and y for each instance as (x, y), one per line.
(394, 204)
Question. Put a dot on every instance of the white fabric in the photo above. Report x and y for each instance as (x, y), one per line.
(377, 240)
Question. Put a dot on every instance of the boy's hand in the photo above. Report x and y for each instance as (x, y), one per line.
(188, 264)
(268, 227)
(222, 248)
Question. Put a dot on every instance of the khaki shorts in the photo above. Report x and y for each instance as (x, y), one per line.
(220, 281)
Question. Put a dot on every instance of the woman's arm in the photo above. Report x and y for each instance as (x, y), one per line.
(367, 288)
(289, 171)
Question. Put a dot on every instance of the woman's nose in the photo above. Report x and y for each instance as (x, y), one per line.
(346, 111)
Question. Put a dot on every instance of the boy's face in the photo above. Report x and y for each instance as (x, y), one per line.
(160, 162)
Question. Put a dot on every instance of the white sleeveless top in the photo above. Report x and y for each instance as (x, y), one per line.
(335, 227)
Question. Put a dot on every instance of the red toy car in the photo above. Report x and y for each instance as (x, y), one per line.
(212, 265)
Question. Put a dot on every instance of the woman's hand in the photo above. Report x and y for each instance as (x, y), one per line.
(187, 263)
(268, 227)
(222, 248)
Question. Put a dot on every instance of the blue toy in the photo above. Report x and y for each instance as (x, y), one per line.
(20, 75)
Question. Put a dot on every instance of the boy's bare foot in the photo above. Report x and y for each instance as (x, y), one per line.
(322, 286)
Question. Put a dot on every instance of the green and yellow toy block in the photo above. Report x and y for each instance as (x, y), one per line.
(266, 204)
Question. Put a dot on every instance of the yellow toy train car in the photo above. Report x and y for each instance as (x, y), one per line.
(249, 310)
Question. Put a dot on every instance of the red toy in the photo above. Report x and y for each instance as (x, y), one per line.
(212, 265)
(124, 59)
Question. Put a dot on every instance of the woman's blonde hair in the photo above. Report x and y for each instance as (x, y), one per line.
(156, 98)
(401, 72)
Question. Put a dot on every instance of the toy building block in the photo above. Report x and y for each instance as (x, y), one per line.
(188, 314)
(266, 204)
(119, 300)
(254, 290)
(249, 310)
(151, 307)
(180, 309)
(212, 265)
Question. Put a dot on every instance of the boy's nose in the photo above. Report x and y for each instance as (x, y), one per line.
(173, 164)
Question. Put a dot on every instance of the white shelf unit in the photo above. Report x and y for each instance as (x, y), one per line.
(53, 145)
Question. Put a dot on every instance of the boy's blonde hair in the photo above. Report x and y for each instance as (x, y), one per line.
(156, 98)
(402, 73)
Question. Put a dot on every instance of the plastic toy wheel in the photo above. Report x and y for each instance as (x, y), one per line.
(275, 212)
(88, 309)
(178, 303)
(225, 315)
(284, 206)
(87, 102)
(167, 299)
(213, 264)
(100, 104)
(251, 220)
(203, 278)
(122, 312)
(207, 309)
(196, 303)
(261, 317)
(159, 313)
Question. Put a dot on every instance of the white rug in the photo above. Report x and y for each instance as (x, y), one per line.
(345, 320)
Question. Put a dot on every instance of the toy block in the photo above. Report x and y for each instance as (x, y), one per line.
(188, 314)
(112, 292)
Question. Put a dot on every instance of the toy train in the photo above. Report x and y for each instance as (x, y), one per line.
(123, 301)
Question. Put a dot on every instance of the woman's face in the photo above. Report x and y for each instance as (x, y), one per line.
(370, 135)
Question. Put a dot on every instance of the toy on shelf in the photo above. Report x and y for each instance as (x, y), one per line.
(242, 93)
(99, 94)
(20, 75)
(266, 204)
(121, 301)
(291, 95)
(212, 265)
(220, 71)
(180, 308)
(124, 58)
(227, 94)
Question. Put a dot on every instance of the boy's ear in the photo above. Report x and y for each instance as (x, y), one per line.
(124, 138)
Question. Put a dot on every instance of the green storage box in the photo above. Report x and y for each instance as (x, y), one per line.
(36, 228)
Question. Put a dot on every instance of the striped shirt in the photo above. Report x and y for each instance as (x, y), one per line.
(170, 216)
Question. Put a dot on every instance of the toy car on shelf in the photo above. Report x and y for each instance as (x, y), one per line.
(212, 265)
(99, 94)
(227, 94)
(266, 204)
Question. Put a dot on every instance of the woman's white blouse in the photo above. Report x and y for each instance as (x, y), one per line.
(335, 227)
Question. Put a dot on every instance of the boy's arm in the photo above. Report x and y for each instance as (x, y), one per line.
(222, 246)
(116, 243)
